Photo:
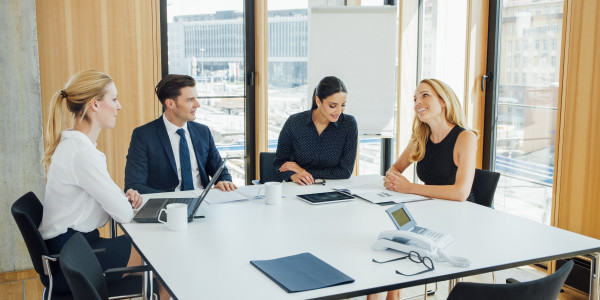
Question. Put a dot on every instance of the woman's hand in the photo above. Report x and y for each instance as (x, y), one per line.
(394, 181)
(303, 178)
(291, 166)
(134, 198)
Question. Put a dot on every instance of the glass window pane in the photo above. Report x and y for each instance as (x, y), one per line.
(288, 63)
(526, 126)
(206, 41)
(443, 42)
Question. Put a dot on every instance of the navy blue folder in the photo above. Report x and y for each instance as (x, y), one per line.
(301, 272)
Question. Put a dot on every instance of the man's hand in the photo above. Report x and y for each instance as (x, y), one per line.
(225, 186)
(134, 198)
(303, 178)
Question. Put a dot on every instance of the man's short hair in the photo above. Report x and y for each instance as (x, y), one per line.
(170, 86)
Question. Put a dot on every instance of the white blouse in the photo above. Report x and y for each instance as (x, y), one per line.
(79, 191)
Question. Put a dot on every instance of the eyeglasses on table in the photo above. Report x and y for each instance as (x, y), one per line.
(414, 257)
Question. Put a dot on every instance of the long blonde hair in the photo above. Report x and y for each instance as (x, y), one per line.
(77, 95)
(454, 114)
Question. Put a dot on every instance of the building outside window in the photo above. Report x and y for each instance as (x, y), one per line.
(526, 126)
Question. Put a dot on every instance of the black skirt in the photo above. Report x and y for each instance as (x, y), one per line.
(116, 256)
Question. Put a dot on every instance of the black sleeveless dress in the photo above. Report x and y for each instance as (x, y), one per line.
(437, 166)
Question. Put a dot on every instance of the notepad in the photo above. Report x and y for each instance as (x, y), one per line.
(301, 272)
(377, 194)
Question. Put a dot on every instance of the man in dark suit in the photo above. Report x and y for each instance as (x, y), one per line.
(173, 153)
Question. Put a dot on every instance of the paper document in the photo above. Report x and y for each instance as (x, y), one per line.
(376, 193)
(252, 192)
(218, 196)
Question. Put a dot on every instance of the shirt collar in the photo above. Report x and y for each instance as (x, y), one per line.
(308, 119)
(172, 128)
(71, 133)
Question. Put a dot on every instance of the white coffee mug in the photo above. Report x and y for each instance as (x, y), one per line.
(272, 193)
(177, 216)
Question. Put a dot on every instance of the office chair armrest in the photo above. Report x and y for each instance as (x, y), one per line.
(128, 269)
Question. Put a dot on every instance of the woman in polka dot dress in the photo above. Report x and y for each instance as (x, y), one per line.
(319, 143)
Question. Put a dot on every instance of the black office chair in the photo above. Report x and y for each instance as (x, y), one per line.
(546, 288)
(484, 187)
(84, 273)
(27, 212)
(267, 168)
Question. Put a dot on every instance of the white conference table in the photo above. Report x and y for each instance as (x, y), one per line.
(211, 258)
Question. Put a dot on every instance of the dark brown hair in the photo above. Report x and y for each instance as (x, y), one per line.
(170, 87)
(327, 86)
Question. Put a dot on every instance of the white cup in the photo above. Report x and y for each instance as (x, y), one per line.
(177, 216)
(272, 193)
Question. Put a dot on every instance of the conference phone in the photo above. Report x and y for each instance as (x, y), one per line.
(409, 237)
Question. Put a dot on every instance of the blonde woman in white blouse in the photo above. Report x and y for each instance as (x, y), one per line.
(80, 194)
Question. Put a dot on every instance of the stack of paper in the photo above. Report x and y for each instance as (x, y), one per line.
(218, 196)
(378, 194)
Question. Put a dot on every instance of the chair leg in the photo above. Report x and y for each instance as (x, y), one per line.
(493, 277)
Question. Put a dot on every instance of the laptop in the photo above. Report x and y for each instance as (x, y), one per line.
(326, 197)
(149, 212)
(405, 221)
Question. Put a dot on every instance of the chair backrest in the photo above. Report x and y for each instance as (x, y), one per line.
(27, 212)
(82, 269)
(267, 168)
(484, 187)
(546, 288)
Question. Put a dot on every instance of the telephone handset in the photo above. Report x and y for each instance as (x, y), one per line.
(406, 241)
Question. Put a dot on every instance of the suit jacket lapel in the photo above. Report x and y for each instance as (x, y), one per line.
(166, 142)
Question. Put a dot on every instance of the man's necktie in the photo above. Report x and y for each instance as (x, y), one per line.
(187, 181)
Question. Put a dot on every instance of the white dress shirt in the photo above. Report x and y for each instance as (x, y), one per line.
(175, 138)
(79, 191)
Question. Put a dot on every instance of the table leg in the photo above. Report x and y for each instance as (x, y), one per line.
(113, 228)
(147, 289)
(451, 284)
(595, 276)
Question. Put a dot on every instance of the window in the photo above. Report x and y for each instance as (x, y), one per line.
(288, 63)
(206, 41)
(444, 45)
(526, 107)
